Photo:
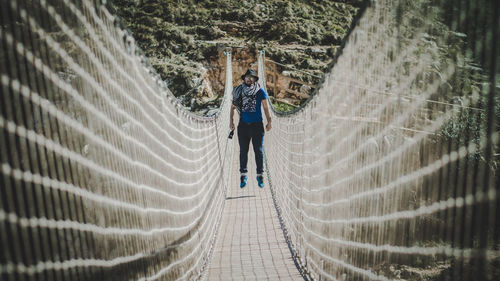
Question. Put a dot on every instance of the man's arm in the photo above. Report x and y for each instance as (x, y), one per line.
(268, 116)
(231, 115)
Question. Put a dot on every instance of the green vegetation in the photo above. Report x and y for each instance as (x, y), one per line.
(183, 37)
(283, 107)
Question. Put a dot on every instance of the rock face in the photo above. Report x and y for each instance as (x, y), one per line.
(243, 59)
(185, 39)
(208, 95)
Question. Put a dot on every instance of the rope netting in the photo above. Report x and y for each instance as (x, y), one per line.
(104, 176)
(391, 171)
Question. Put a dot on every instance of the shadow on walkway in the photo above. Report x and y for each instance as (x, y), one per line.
(239, 197)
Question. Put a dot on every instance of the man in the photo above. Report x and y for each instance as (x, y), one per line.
(247, 99)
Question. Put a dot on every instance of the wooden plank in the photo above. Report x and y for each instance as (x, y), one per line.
(285, 101)
(273, 63)
(298, 81)
(250, 243)
(274, 73)
(275, 80)
(302, 95)
(305, 72)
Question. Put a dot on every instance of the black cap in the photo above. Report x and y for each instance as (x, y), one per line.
(250, 72)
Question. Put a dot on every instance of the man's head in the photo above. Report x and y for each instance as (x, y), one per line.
(250, 77)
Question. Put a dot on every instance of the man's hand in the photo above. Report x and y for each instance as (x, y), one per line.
(268, 116)
(268, 126)
(231, 115)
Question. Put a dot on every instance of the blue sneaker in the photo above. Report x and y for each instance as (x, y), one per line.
(243, 181)
(260, 181)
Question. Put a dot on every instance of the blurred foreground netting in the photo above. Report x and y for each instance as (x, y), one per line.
(103, 175)
(391, 171)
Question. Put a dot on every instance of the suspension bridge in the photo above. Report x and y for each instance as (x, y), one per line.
(388, 172)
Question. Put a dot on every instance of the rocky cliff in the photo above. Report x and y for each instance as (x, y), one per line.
(184, 39)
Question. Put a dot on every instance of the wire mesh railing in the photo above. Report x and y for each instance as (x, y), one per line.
(104, 176)
(390, 172)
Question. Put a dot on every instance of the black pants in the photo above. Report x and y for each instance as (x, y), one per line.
(251, 132)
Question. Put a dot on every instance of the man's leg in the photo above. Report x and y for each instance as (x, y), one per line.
(258, 143)
(244, 141)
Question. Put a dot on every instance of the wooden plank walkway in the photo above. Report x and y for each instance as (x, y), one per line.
(250, 244)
